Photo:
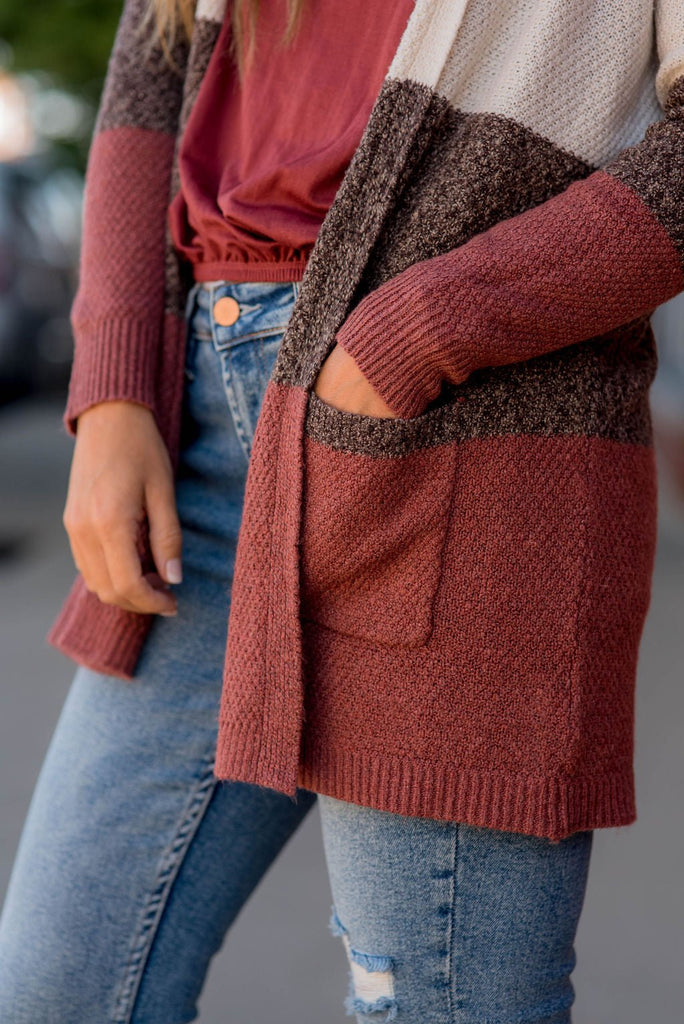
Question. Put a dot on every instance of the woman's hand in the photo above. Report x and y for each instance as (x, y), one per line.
(121, 470)
(341, 384)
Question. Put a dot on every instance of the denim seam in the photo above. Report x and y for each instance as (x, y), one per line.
(224, 352)
(250, 336)
(261, 362)
(451, 980)
(240, 430)
(154, 906)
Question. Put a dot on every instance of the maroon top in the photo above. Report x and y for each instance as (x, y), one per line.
(260, 165)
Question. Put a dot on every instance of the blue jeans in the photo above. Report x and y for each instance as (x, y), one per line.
(134, 860)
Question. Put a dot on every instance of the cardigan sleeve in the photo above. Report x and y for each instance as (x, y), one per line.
(117, 312)
(605, 251)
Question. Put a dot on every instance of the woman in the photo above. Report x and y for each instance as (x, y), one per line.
(406, 432)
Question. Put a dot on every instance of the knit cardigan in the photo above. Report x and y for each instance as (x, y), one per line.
(437, 614)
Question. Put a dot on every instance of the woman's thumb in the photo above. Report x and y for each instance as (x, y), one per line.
(166, 538)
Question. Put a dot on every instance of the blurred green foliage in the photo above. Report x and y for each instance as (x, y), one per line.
(70, 39)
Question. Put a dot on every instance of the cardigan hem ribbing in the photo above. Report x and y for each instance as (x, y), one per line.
(553, 807)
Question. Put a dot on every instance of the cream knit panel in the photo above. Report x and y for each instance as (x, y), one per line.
(424, 45)
(670, 37)
(210, 10)
(580, 74)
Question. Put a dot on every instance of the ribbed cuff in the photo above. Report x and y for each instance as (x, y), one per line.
(403, 344)
(103, 637)
(116, 360)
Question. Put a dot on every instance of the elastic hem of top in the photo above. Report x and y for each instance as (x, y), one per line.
(291, 270)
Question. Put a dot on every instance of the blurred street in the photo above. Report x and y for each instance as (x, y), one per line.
(279, 962)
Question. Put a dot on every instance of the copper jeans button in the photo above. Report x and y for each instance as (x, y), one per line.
(226, 311)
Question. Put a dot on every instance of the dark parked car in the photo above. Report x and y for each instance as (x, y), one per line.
(40, 218)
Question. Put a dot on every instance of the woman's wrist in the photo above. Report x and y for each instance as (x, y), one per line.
(395, 336)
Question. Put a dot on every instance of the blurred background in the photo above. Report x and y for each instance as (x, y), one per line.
(53, 56)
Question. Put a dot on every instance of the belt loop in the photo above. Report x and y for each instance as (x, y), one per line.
(190, 301)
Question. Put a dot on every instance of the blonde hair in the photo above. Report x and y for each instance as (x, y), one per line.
(174, 17)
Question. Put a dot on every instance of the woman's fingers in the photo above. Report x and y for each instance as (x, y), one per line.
(105, 554)
(166, 538)
(89, 559)
(130, 588)
(121, 464)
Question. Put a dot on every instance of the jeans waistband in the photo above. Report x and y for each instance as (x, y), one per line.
(230, 311)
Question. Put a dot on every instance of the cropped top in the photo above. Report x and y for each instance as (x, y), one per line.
(260, 162)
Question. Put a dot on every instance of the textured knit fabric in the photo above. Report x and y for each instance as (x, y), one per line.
(260, 163)
(437, 614)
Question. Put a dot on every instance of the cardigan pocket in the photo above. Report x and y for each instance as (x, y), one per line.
(376, 504)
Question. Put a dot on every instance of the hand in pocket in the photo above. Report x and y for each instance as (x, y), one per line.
(341, 384)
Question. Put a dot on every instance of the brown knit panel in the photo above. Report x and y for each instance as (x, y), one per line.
(178, 278)
(204, 37)
(179, 271)
(598, 387)
(465, 173)
(654, 167)
(674, 104)
(141, 89)
(480, 169)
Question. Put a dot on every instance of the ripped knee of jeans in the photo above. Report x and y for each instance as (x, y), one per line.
(371, 979)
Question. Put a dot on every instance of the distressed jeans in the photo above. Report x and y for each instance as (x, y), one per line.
(134, 860)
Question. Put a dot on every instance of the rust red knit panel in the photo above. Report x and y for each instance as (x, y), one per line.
(121, 273)
(589, 259)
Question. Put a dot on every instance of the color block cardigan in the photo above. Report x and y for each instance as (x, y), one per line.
(438, 614)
